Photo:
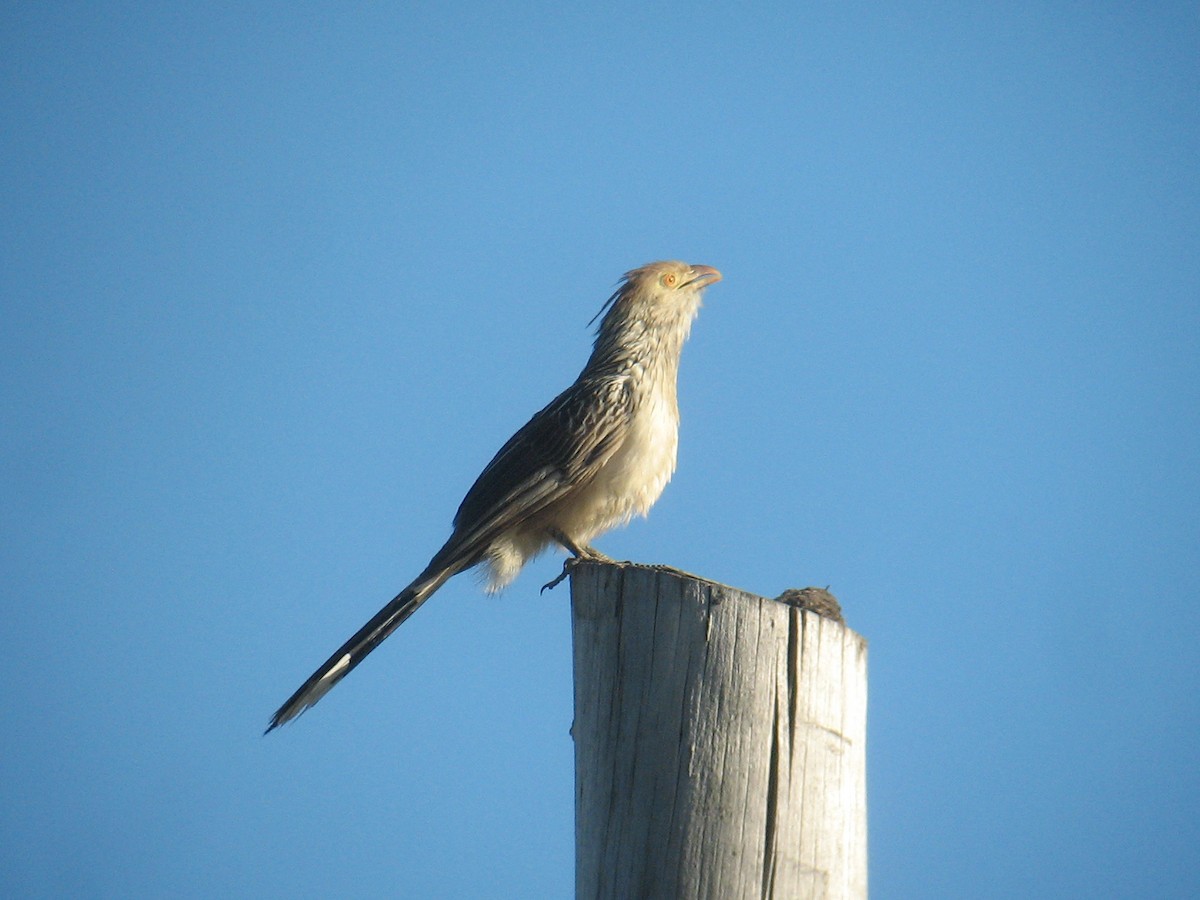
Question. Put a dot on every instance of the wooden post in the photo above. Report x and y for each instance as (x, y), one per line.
(720, 741)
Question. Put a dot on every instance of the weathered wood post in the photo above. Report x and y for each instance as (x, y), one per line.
(720, 741)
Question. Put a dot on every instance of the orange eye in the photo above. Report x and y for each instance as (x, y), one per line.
(669, 279)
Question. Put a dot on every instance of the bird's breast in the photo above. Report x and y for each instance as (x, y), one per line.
(642, 467)
(634, 477)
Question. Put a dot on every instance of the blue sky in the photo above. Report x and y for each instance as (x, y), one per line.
(277, 280)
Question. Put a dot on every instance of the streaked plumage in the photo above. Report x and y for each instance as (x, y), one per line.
(599, 453)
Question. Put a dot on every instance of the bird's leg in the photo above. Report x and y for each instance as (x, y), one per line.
(569, 563)
(566, 543)
(578, 554)
(579, 551)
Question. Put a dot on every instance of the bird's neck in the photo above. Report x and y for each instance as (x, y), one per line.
(645, 347)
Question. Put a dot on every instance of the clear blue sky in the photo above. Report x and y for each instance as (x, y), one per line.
(277, 280)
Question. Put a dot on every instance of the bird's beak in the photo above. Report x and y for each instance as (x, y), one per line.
(703, 276)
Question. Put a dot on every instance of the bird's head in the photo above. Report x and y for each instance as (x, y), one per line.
(672, 277)
(666, 292)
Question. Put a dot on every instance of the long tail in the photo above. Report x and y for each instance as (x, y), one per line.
(366, 639)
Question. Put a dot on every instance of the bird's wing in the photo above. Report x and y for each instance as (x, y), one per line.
(562, 447)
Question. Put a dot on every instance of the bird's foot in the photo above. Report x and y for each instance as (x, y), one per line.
(568, 564)
(581, 555)
(591, 554)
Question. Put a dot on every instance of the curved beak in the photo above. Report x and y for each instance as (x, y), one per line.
(703, 276)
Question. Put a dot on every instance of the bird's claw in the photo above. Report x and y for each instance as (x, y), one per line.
(585, 554)
(568, 564)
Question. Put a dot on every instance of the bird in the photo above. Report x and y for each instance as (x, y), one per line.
(599, 453)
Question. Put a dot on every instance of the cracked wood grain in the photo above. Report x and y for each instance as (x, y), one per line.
(720, 740)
